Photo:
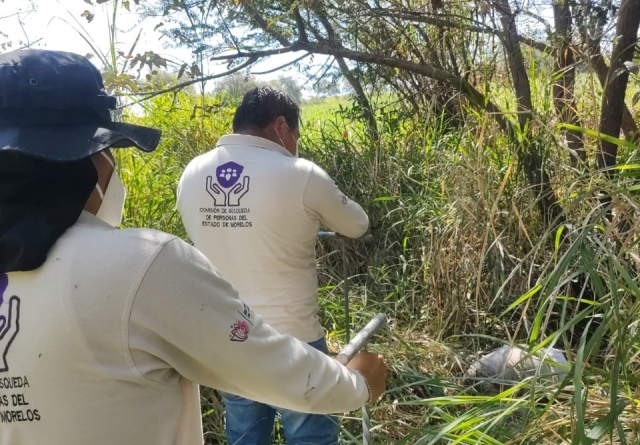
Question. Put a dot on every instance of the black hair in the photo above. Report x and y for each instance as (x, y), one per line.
(262, 105)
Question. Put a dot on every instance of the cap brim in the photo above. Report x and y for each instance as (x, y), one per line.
(61, 143)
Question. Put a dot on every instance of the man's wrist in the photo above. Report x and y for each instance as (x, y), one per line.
(366, 382)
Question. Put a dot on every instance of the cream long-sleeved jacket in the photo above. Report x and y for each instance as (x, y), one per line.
(107, 342)
(255, 210)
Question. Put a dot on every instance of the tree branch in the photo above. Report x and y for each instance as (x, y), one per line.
(618, 76)
(421, 18)
(597, 62)
(180, 86)
(361, 96)
(258, 54)
(458, 83)
(302, 33)
(253, 13)
(278, 68)
(515, 60)
(535, 44)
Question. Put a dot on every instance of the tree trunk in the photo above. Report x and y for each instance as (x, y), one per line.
(563, 90)
(516, 62)
(617, 79)
(599, 65)
(361, 97)
(530, 151)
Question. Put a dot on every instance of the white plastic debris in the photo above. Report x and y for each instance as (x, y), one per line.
(510, 365)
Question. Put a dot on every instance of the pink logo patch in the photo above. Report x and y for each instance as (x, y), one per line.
(239, 331)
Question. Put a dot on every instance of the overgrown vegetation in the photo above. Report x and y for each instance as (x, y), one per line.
(461, 263)
(478, 150)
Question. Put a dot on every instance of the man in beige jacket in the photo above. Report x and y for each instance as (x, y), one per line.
(254, 207)
(105, 334)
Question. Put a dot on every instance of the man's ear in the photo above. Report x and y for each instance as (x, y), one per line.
(280, 124)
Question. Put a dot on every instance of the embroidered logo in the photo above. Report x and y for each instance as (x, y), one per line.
(226, 190)
(344, 200)
(9, 317)
(239, 331)
(246, 313)
(228, 174)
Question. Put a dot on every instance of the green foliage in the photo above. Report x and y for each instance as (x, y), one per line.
(236, 85)
(190, 126)
(459, 261)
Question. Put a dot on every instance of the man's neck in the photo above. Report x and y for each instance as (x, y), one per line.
(255, 132)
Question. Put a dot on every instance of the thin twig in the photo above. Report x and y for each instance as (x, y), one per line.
(282, 66)
(258, 54)
(180, 86)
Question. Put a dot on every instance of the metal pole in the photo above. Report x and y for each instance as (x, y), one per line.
(362, 338)
(345, 290)
(345, 276)
(366, 422)
(359, 342)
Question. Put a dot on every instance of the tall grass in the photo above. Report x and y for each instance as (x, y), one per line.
(459, 261)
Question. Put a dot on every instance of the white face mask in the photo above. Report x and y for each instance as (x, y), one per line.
(297, 153)
(113, 198)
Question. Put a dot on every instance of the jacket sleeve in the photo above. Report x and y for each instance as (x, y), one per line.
(323, 200)
(185, 318)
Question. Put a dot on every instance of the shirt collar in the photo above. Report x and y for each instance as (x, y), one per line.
(92, 220)
(253, 141)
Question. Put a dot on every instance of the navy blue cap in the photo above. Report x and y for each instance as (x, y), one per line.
(53, 106)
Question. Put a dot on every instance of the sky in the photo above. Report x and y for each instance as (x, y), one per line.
(54, 25)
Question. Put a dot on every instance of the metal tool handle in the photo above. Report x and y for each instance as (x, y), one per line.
(322, 235)
(345, 273)
(362, 338)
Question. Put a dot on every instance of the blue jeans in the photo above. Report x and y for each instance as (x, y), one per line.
(251, 423)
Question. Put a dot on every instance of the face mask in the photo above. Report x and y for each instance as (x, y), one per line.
(297, 153)
(112, 199)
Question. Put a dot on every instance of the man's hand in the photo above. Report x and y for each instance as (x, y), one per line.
(218, 195)
(373, 369)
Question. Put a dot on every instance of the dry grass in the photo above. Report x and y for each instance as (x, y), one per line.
(457, 243)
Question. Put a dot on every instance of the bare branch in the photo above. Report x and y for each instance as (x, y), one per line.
(430, 20)
(300, 22)
(293, 62)
(258, 54)
(9, 16)
(482, 29)
(460, 84)
(540, 46)
(539, 19)
(180, 86)
(29, 45)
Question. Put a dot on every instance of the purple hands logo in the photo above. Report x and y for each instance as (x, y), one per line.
(9, 315)
(228, 174)
(226, 190)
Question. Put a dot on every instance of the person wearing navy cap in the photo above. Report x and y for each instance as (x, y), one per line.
(107, 333)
